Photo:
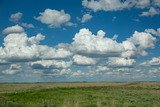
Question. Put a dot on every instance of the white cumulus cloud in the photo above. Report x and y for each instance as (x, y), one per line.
(19, 47)
(83, 60)
(86, 42)
(115, 5)
(86, 17)
(154, 32)
(106, 5)
(13, 29)
(143, 40)
(54, 18)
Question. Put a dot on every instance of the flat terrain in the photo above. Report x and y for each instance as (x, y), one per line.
(98, 94)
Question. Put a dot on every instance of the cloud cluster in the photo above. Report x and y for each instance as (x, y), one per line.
(106, 5)
(86, 50)
(54, 18)
(119, 54)
(18, 47)
(116, 5)
(86, 43)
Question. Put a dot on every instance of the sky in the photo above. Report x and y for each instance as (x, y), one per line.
(79, 40)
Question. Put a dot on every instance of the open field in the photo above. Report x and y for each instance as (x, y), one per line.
(99, 94)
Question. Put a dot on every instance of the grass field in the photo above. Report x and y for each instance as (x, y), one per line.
(103, 94)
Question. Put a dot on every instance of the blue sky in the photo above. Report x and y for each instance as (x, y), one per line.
(79, 40)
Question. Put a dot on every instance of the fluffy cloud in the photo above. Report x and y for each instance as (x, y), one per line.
(151, 12)
(143, 40)
(13, 29)
(137, 44)
(153, 62)
(86, 17)
(20, 47)
(28, 48)
(50, 64)
(128, 45)
(114, 5)
(154, 32)
(20, 39)
(87, 43)
(87, 49)
(116, 61)
(106, 5)
(16, 17)
(54, 18)
(130, 49)
(36, 39)
(83, 60)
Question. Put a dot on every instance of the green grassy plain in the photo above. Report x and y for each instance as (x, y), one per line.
(99, 94)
